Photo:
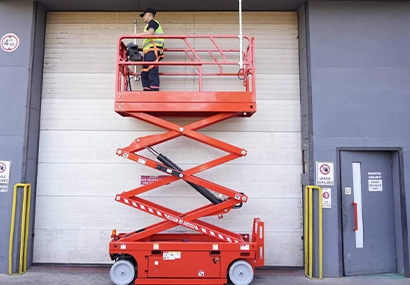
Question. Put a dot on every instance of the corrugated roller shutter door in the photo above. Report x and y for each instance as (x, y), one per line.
(79, 173)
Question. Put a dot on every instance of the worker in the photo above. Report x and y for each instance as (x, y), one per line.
(153, 51)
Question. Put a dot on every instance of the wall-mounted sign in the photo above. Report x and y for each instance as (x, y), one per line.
(4, 172)
(326, 198)
(9, 42)
(324, 173)
(375, 181)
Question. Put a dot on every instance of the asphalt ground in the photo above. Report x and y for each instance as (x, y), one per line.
(63, 275)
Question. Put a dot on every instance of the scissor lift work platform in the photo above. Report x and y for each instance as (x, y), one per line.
(205, 254)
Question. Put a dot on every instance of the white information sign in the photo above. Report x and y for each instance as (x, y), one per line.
(4, 172)
(324, 173)
(326, 198)
(9, 42)
(375, 181)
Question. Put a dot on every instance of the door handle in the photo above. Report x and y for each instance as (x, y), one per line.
(356, 222)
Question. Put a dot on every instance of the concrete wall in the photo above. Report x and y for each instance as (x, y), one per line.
(359, 66)
(20, 85)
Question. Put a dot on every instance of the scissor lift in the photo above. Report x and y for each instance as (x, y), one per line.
(206, 254)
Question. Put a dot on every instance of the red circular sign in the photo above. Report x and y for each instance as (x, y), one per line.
(9, 42)
(324, 169)
(2, 167)
(326, 195)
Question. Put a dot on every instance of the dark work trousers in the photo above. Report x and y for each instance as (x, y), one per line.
(150, 78)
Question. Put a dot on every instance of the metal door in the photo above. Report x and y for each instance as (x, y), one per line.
(367, 212)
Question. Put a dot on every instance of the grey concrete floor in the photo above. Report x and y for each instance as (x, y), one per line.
(100, 275)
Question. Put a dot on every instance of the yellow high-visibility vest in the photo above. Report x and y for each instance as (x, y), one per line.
(159, 43)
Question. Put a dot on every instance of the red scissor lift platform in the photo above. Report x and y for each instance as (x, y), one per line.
(205, 254)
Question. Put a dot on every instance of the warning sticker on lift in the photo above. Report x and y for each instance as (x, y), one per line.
(171, 255)
(148, 179)
(244, 246)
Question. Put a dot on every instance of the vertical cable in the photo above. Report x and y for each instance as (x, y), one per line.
(240, 36)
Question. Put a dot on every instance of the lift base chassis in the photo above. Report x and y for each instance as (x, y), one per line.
(186, 258)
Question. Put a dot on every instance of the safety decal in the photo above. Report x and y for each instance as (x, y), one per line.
(123, 246)
(172, 218)
(244, 246)
(171, 255)
(148, 179)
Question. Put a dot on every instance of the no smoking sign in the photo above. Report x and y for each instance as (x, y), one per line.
(324, 173)
(9, 42)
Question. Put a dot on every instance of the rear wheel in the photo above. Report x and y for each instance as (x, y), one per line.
(122, 272)
(241, 272)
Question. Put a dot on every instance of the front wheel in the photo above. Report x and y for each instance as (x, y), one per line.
(122, 272)
(241, 273)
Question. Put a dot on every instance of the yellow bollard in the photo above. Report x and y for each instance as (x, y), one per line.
(25, 219)
(308, 231)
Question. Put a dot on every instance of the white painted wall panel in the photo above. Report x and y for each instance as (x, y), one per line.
(106, 179)
(99, 147)
(79, 172)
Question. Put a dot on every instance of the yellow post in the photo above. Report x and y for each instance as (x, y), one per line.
(310, 191)
(320, 234)
(27, 227)
(13, 216)
(308, 231)
(25, 219)
(305, 232)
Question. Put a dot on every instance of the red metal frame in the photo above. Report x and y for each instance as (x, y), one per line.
(209, 248)
(190, 102)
